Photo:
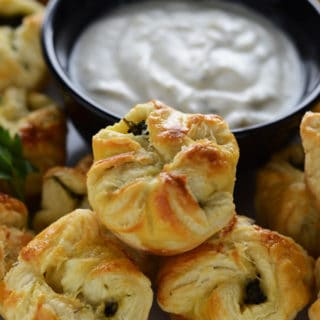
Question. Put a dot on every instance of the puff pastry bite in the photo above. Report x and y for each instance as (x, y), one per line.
(13, 234)
(19, 7)
(287, 195)
(63, 190)
(41, 125)
(21, 60)
(13, 213)
(245, 272)
(72, 271)
(162, 180)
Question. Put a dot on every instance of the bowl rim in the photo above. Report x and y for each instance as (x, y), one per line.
(50, 55)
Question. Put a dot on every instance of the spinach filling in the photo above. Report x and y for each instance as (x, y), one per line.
(254, 293)
(111, 309)
(137, 129)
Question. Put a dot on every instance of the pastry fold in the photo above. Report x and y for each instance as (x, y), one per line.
(245, 272)
(70, 271)
(41, 125)
(64, 189)
(13, 233)
(21, 60)
(287, 195)
(13, 212)
(162, 180)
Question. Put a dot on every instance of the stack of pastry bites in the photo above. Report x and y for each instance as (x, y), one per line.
(162, 181)
(160, 186)
(288, 193)
(25, 109)
(32, 126)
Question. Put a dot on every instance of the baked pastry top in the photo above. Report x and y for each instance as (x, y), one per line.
(64, 189)
(41, 125)
(245, 272)
(163, 180)
(287, 194)
(21, 60)
(70, 271)
(13, 212)
(13, 233)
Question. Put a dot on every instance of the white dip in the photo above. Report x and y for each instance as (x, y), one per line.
(199, 57)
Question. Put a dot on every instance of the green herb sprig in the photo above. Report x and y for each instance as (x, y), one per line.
(14, 168)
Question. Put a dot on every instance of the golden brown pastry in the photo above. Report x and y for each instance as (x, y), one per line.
(41, 125)
(21, 60)
(310, 136)
(13, 213)
(148, 264)
(162, 180)
(13, 234)
(19, 7)
(245, 272)
(64, 189)
(11, 242)
(72, 271)
(314, 310)
(287, 195)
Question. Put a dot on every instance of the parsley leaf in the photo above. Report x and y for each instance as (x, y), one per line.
(14, 168)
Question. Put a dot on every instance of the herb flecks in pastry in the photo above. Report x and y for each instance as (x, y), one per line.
(162, 180)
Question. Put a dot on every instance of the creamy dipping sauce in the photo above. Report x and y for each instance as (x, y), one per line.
(198, 57)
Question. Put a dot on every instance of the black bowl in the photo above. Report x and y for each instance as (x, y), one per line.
(300, 19)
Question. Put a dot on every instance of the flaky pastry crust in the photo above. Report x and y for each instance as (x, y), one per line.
(162, 180)
(70, 271)
(11, 242)
(287, 195)
(41, 125)
(64, 189)
(13, 234)
(245, 272)
(13, 212)
(21, 60)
